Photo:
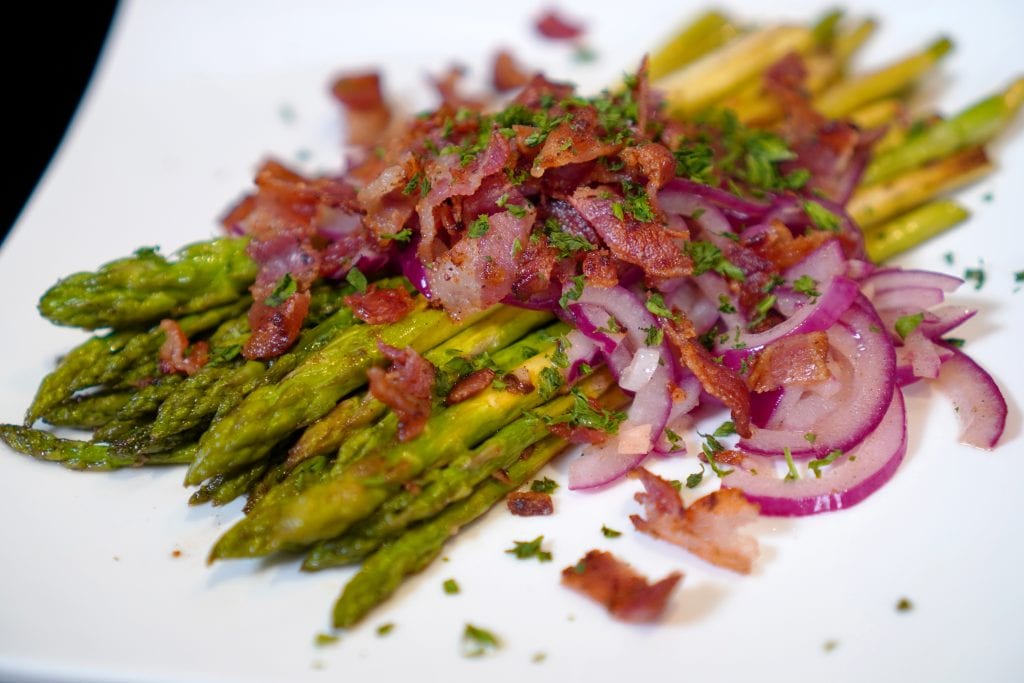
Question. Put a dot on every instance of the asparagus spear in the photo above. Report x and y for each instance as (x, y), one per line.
(876, 203)
(907, 231)
(116, 358)
(454, 482)
(88, 412)
(82, 455)
(974, 126)
(708, 32)
(224, 488)
(272, 412)
(142, 289)
(385, 570)
(853, 93)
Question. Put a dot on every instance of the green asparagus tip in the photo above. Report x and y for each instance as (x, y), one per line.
(1013, 98)
(941, 47)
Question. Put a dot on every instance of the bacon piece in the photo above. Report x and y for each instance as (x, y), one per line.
(516, 384)
(778, 245)
(540, 88)
(599, 268)
(367, 115)
(507, 74)
(379, 306)
(653, 162)
(275, 329)
(470, 385)
(794, 359)
(553, 25)
(572, 142)
(709, 528)
(579, 434)
(529, 503)
(625, 592)
(406, 387)
(386, 206)
(647, 245)
(480, 271)
(175, 354)
(718, 380)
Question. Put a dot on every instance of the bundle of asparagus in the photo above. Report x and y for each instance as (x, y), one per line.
(318, 456)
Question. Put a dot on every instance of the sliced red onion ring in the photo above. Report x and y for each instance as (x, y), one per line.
(848, 480)
(834, 301)
(641, 369)
(742, 210)
(592, 321)
(684, 399)
(918, 358)
(413, 270)
(847, 416)
(885, 279)
(581, 350)
(980, 405)
(822, 264)
(912, 298)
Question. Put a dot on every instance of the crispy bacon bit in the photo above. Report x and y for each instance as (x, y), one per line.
(647, 245)
(405, 387)
(507, 74)
(553, 25)
(653, 162)
(502, 476)
(366, 113)
(626, 593)
(173, 356)
(470, 385)
(579, 434)
(275, 329)
(529, 503)
(778, 245)
(718, 380)
(516, 384)
(379, 306)
(727, 457)
(599, 268)
(573, 142)
(709, 528)
(794, 359)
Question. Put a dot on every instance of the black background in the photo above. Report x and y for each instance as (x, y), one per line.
(49, 51)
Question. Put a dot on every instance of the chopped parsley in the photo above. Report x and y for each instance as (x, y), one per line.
(822, 218)
(610, 533)
(694, 479)
(655, 335)
(450, 586)
(477, 642)
(904, 605)
(525, 550)
(727, 428)
(584, 414)
(283, 290)
(761, 310)
(480, 226)
(816, 464)
(566, 243)
(544, 485)
(656, 304)
(323, 639)
(550, 382)
(810, 437)
(385, 629)
(975, 275)
(356, 278)
(706, 256)
(418, 182)
(792, 474)
(636, 203)
(402, 236)
(573, 293)
(907, 324)
(805, 284)
(724, 305)
(956, 342)
(711, 447)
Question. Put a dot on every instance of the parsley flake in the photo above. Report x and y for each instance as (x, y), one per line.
(706, 256)
(907, 324)
(816, 464)
(610, 533)
(793, 474)
(450, 586)
(544, 485)
(822, 218)
(283, 290)
(477, 642)
(805, 284)
(656, 304)
(356, 278)
(480, 226)
(693, 480)
(525, 550)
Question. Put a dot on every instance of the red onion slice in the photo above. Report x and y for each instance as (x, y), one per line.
(885, 279)
(980, 405)
(912, 298)
(847, 416)
(822, 264)
(848, 480)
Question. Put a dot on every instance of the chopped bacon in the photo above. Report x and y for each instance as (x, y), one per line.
(647, 245)
(572, 142)
(653, 162)
(718, 380)
(529, 503)
(175, 354)
(518, 382)
(553, 25)
(380, 306)
(794, 359)
(777, 244)
(540, 88)
(626, 593)
(578, 434)
(599, 268)
(507, 74)
(709, 528)
(406, 387)
(367, 114)
(535, 272)
(470, 385)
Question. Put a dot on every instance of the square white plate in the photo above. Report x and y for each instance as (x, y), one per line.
(189, 97)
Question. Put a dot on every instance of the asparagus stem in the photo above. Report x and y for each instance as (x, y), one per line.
(878, 113)
(974, 126)
(142, 289)
(82, 455)
(877, 203)
(912, 228)
(705, 34)
(847, 43)
(720, 73)
(853, 93)
(88, 412)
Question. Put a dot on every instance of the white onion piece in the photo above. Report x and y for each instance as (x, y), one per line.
(849, 415)
(581, 349)
(701, 311)
(640, 369)
(846, 482)
(980, 406)
(684, 399)
(822, 264)
(626, 307)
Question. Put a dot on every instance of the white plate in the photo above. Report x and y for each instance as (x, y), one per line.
(188, 98)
